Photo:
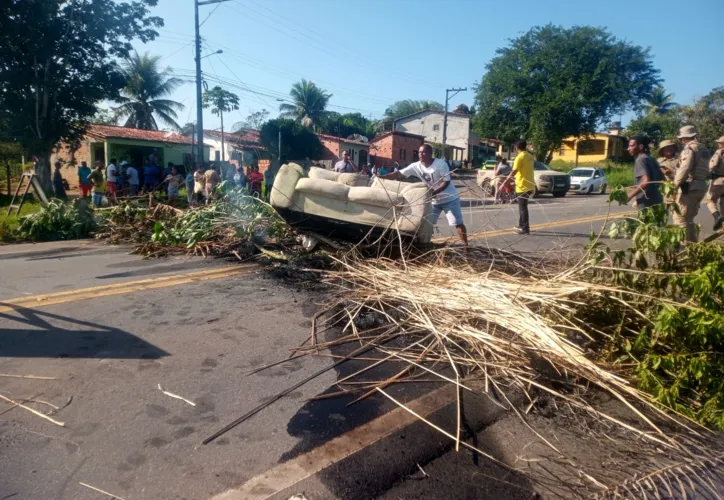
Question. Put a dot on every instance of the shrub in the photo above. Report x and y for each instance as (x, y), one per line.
(58, 220)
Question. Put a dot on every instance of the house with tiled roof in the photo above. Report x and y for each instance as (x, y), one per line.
(103, 142)
(333, 147)
(240, 148)
(463, 143)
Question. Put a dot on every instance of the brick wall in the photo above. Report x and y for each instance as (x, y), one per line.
(71, 162)
(395, 148)
(330, 149)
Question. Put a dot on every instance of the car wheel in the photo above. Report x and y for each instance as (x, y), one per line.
(559, 194)
(488, 188)
(590, 190)
(603, 189)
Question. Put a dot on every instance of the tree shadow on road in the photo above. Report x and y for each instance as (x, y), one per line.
(40, 334)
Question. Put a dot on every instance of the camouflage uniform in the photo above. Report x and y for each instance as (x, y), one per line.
(715, 197)
(668, 169)
(691, 178)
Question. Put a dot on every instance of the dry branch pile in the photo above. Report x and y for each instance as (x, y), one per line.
(515, 329)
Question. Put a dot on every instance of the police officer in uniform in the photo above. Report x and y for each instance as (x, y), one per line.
(668, 163)
(715, 198)
(690, 178)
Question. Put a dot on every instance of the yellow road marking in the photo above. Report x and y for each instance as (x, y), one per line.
(124, 287)
(289, 473)
(560, 223)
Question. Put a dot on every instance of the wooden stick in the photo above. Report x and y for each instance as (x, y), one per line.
(32, 411)
(34, 377)
(100, 491)
(175, 396)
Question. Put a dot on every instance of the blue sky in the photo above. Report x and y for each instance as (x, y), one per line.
(370, 53)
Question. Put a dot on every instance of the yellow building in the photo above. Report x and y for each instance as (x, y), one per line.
(593, 148)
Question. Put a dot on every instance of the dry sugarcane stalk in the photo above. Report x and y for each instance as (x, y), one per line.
(175, 396)
(34, 377)
(100, 491)
(61, 424)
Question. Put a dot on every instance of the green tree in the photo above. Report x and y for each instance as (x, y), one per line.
(348, 124)
(58, 64)
(309, 104)
(410, 106)
(254, 120)
(147, 84)
(105, 116)
(187, 129)
(220, 101)
(656, 126)
(298, 142)
(707, 115)
(659, 102)
(555, 82)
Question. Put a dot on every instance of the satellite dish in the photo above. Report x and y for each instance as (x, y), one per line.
(358, 138)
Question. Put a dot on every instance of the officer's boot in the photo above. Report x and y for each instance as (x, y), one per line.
(718, 221)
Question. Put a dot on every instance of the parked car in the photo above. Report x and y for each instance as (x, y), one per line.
(588, 180)
(489, 165)
(546, 181)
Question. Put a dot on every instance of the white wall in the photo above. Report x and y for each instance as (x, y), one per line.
(430, 125)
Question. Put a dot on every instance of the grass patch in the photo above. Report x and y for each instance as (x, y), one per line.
(10, 223)
(617, 174)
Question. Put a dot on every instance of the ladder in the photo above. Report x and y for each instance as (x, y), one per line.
(30, 180)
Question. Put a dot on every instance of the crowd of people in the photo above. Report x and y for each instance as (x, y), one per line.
(689, 171)
(124, 179)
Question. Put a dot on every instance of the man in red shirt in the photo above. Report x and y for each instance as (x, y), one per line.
(255, 180)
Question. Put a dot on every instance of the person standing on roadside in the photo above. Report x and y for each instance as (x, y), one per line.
(199, 183)
(174, 181)
(58, 187)
(84, 184)
(647, 174)
(715, 197)
(96, 178)
(669, 163)
(112, 180)
(690, 178)
(500, 173)
(268, 181)
(255, 180)
(133, 180)
(435, 173)
(345, 165)
(524, 184)
(212, 180)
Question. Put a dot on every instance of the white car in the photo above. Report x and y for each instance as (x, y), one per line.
(546, 181)
(588, 180)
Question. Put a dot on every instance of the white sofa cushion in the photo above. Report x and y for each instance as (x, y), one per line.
(375, 197)
(354, 180)
(322, 187)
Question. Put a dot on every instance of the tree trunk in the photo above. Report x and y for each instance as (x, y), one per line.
(42, 171)
(221, 114)
(7, 174)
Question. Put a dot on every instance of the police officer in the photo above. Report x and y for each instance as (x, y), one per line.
(690, 178)
(668, 163)
(715, 198)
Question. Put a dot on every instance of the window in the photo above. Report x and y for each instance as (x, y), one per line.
(404, 154)
(436, 127)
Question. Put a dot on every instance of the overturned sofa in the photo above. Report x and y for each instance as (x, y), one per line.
(342, 205)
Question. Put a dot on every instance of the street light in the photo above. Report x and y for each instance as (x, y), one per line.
(217, 52)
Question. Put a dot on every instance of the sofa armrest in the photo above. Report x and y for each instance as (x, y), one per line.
(418, 213)
(285, 183)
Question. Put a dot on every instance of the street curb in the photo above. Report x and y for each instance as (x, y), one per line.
(376, 468)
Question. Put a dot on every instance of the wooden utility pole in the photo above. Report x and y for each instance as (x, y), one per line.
(444, 121)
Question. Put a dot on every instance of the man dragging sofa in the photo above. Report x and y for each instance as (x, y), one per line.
(436, 174)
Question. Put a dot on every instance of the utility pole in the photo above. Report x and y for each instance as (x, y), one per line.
(199, 107)
(279, 152)
(444, 121)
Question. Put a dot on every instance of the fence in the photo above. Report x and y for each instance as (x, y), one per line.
(12, 171)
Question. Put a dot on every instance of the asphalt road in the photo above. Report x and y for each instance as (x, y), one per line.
(109, 327)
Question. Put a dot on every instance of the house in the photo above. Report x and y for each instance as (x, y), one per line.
(391, 147)
(103, 142)
(593, 148)
(240, 148)
(332, 148)
(463, 142)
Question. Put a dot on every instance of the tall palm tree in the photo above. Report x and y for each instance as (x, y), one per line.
(142, 97)
(309, 103)
(220, 101)
(659, 102)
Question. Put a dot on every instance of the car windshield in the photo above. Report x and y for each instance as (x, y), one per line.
(540, 166)
(580, 172)
(490, 162)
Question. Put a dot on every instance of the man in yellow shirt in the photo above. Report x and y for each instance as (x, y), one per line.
(524, 184)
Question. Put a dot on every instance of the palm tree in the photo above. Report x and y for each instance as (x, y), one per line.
(220, 101)
(146, 85)
(659, 102)
(309, 103)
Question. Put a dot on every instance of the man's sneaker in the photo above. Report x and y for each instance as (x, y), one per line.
(718, 223)
(520, 230)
